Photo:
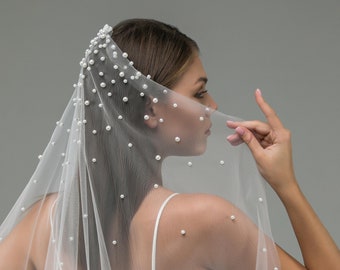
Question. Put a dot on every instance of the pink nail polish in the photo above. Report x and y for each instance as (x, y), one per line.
(240, 131)
(258, 91)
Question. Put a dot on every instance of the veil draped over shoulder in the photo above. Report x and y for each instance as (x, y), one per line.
(103, 159)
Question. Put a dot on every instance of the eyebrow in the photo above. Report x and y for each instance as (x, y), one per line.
(202, 79)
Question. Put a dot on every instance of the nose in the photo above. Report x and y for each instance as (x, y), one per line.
(211, 103)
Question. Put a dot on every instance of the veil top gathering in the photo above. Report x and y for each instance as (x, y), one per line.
(104, 158)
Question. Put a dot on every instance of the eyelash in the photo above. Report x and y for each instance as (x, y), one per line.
(200, 94)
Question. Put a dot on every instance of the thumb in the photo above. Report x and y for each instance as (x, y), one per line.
(249, 138)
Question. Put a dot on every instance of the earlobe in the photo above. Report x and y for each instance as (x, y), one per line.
(150, 117)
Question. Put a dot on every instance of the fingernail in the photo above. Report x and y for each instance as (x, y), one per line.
(230, 122)
(240, 131)
(258, 91)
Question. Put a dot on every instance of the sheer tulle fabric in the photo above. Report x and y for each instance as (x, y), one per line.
(103, 160)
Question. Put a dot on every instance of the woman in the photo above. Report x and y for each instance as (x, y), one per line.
(103, 195)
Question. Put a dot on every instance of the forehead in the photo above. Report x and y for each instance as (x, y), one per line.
(194, 73)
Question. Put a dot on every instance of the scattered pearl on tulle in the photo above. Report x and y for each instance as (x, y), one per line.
(85, 216)
(71, 238)
(94, 160)
(91, 62)
(232, 217)
(165, 91)
(158, 157)
(40, 157)
(175, 105)
(88, 68)
(120, 117)
(177, 139)
(100, 105)
(125, 55)
(142, 94)
(101, 74)
(87, 103)
(122, 196)
(84, 121)
(114, 54)
(114, 242)
(115, 66)
(121, 74)
(109, 94)
(113, 81)
(201, 118)
(94, 90)
(94, 132)
(161, 120)
(108, 128)
(125, 81)
(260, 200)
(62, 154)
(102, 85)
(183, 232)
(148, 76)
(189, 163)
(130, 145)
(138, 74)
(113, 47)
(35, 181)
(95, 51)
(221, 162)
(146, 117)
(22, 209)
(264, 250)
(102, 58)
(132, 77)
(131, 63)
(125, 99)
(52, 143)
(155, 100)
(145, 86)
(156, 186)
(82, 76)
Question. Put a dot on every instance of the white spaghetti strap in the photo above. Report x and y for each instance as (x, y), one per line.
(154, 240)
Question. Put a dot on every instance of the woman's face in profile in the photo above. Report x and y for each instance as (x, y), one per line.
(185, 122)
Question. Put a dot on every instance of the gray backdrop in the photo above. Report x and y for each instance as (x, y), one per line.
(289, 49)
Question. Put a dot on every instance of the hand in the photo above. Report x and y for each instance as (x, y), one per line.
(270, 145)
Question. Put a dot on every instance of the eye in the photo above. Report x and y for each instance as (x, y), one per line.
(200, 94)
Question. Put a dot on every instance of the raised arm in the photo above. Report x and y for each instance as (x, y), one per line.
(270, 144)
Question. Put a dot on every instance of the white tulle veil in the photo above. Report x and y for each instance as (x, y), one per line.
(102, 160)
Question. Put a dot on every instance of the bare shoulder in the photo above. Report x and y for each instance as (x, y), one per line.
(29, 238)
(215, 228)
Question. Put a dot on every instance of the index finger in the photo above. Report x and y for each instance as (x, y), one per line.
(271, 116)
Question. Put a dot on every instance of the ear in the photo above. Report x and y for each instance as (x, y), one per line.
(151, 116)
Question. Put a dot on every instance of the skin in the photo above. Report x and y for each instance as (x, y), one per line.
(211, 243)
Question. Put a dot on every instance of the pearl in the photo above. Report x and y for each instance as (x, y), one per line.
(146, 117)
(132, 77)
(102, 84)
(94, 160)
(131, 63)
(260, 200)
(129, 145)
(264, 250)
(68, 130)
(91, 62)
(201, 118)
(95, 51)
(207, 109)
(82, 76)
(85, 216)
(222, 162)
(155, 100)
(177, 139)
(125, 99)
(40, 157)
(120, 117)
(114, 242)
(189, 163)
(156, 186)
(165, 91)
(148, 76)
(125, 55)
(84, 121)
(100, 46)
(145, 86)
(104, 45)
(79, 141)
(113, 81)
(35, 181)
(94, 132)
(232, 217)
(102, 58)
(22, 209)
(121, 74)
(87, 103)
(71, 238)
(161, 120)
(158, 157)
(115, 66)
(114, 54)
(53, 143)
(100, 105)
(138, 74)
(108, 128)
(62, 154)
(183, 232)
(94, 91)
(175, 105)
(74, 85)
(276, 268)
(88, 68)
(125, 81)
(142, 94)
(109, 94)
(101, 74)
(122, 196)
(113, 47)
